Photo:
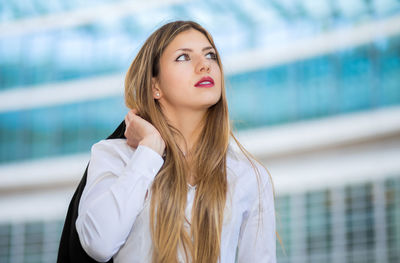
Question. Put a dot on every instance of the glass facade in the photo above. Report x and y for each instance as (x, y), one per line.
(341, 224)
(33, 242)
(329, 225)
(392, 242)
(359, 225)
(58, 130)
(61, 56)
(351, 80)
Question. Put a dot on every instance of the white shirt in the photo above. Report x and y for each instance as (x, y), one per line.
(113, 216)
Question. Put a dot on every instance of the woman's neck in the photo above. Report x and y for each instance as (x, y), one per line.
(189, 123)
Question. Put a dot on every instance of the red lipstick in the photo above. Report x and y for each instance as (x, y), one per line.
(205, 82)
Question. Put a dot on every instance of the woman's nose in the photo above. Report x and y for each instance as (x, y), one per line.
(203, 65)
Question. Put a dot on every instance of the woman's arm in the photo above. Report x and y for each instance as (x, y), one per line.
(257, 240)
(114, 195)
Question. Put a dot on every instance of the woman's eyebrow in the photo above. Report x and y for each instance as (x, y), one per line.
(190, 50)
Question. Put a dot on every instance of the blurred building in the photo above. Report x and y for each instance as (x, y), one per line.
(313, 88)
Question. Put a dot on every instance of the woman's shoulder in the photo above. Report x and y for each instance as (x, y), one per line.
(112, 149)
(249, 172)
(239, 160)
(111, 142)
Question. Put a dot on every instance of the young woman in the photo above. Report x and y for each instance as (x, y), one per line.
(172, 187)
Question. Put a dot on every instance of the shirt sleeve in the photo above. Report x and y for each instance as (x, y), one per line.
(257, 239)
(113, 196)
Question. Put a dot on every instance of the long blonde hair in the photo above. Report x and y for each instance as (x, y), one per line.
(169, 188)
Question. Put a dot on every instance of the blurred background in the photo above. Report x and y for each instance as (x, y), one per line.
(313, 89)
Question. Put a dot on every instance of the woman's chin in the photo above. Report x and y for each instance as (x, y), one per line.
(207, 105)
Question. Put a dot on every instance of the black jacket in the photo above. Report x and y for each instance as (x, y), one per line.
(70, 249)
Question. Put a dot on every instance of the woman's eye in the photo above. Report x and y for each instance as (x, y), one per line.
(183, 55)
(213, 55)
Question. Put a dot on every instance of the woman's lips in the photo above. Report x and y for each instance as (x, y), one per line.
(205, 82)
(205, 85)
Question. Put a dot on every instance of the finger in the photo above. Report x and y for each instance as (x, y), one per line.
(128, 123)
(133, 111)
(131, 115)
(127, 119)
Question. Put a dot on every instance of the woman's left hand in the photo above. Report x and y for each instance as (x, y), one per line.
(139, 131)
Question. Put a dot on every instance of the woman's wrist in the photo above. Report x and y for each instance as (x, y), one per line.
(155, 142)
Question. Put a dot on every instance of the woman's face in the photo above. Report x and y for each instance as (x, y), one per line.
(184, 62)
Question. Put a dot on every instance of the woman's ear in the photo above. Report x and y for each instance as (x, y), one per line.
(156, 89)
